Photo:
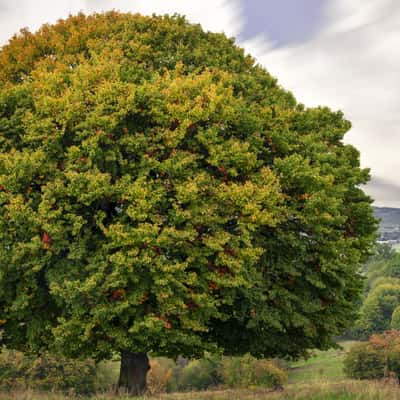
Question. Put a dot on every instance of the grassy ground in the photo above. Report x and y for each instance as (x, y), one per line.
(342, 390)
(318, 378)
(324, 365)
(396, 246)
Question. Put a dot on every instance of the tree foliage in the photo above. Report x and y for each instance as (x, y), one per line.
(384, 263)
(377, 310)
(381, 294)
(161, 192)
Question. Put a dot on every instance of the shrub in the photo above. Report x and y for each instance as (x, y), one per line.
(247, 371)
(199, 374)
(107, 373)
(267, 373)
(377, 358)
(47, 372)
(388, 344)
(363, 361)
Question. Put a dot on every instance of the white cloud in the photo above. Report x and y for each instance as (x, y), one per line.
(352, 65)
(214, 15)
(18, 14)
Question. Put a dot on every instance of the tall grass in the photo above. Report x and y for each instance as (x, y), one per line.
(345, 390)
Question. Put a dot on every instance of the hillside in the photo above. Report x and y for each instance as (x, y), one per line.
(389, 224)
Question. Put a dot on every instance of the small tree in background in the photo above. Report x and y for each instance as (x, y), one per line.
(384, 263)
(376, 313)
(377, 358)
(160, 192)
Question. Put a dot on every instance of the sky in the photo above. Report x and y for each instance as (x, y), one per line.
(340, 53)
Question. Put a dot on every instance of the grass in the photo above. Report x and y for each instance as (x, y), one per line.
(341, 390)
(396, 246)
(323, 365)
(318, 378)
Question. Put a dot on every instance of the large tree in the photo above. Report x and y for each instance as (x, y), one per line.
(160, 192)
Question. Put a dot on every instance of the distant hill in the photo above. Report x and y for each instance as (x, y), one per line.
(389, 223)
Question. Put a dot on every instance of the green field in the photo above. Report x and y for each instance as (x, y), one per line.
(396, 246)
(323, 365)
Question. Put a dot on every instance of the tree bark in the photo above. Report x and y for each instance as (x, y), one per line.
(133, 373)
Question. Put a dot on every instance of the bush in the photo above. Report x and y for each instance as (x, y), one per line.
(363, 361)
(199, 374)
(47, 372)
(389, 345)
(213, 371)
(377, 358)
(247, 371)
(267, 373)
(107, 374)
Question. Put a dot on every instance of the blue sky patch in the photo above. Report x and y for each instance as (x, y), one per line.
(282, 21)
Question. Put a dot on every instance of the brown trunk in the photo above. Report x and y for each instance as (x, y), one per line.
(133, 373)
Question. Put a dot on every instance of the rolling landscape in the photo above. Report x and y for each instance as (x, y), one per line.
(389, 227)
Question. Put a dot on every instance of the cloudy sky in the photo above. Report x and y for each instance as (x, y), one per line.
(340, 53)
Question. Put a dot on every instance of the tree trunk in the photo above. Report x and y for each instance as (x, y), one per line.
(133, 373)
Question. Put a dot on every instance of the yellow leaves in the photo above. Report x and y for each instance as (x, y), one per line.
(89, 186)
(191, 97)
(232, 157)
(188, 192)
(258, 200)
(3, 321)
(142, 198)
(217, 241)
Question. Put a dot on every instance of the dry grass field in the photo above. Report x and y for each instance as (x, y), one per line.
(322, 390)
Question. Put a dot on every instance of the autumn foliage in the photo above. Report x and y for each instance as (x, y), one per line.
(377, 358)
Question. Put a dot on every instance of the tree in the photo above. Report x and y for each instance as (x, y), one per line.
(160, 192)
(384, 263)
(377, 310)
(377, 358)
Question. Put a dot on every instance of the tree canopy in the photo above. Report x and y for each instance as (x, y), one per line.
(161, 192)
(379, 307)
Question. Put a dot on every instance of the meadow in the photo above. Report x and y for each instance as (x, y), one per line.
(320, 377)
(318, 390)
(323, 365)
